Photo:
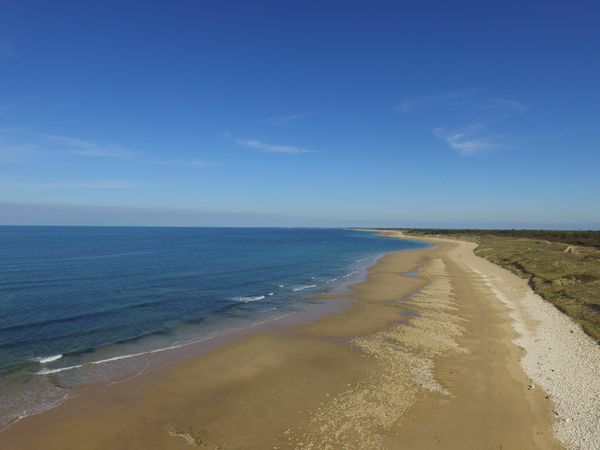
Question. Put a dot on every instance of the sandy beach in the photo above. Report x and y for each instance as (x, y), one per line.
(437, 348)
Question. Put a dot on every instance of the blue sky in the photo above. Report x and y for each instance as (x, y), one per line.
(300, 113)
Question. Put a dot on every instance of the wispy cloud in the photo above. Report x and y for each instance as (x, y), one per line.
(81, 147)
(507, 105)
(182, 163)
(466, 141)
(489, 113)
(285, 120)
(476, 99)
(455, 98)
(87, 184)
(270, 148)
(17, 146)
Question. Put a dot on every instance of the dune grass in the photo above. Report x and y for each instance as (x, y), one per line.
(562, 267)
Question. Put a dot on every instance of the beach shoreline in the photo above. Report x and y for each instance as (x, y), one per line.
(382, 372)
(154, 359)
(190, 307)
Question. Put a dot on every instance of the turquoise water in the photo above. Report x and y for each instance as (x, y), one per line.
(83, 304)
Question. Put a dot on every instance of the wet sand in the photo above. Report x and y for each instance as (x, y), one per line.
(421, 362)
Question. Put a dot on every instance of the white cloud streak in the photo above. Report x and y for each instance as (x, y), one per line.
(466, 141)
(472, 98)
(21, 147)
(455, 98)
(509, 106)
(472, 105)
(82, 147)
(270, 148)
(191, 163)
(281, 121)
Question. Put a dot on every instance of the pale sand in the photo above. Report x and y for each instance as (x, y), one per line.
(558, 356)
(436, 369)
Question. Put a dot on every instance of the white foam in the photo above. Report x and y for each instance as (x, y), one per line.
(102, 361)
(270, 294)
(47, 359)
(149, 352)
(60, 369)
(249, 299)
(116, 358)
(301, 288)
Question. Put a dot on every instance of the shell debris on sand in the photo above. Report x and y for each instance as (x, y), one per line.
(403, 366)
(189, 437)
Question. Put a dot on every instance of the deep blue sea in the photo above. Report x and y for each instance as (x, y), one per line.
(84, 304)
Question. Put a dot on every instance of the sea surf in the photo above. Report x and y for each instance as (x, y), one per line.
(81, 305)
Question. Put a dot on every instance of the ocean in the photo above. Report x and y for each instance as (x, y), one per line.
(81, 305)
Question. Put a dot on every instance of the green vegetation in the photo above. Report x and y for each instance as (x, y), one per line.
(562, 266)
(582, 238)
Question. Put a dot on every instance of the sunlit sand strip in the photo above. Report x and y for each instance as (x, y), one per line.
(361, 416)
(559, 357)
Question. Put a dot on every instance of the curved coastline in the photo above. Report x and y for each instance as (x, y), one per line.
(396, 366)
(155, 358)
